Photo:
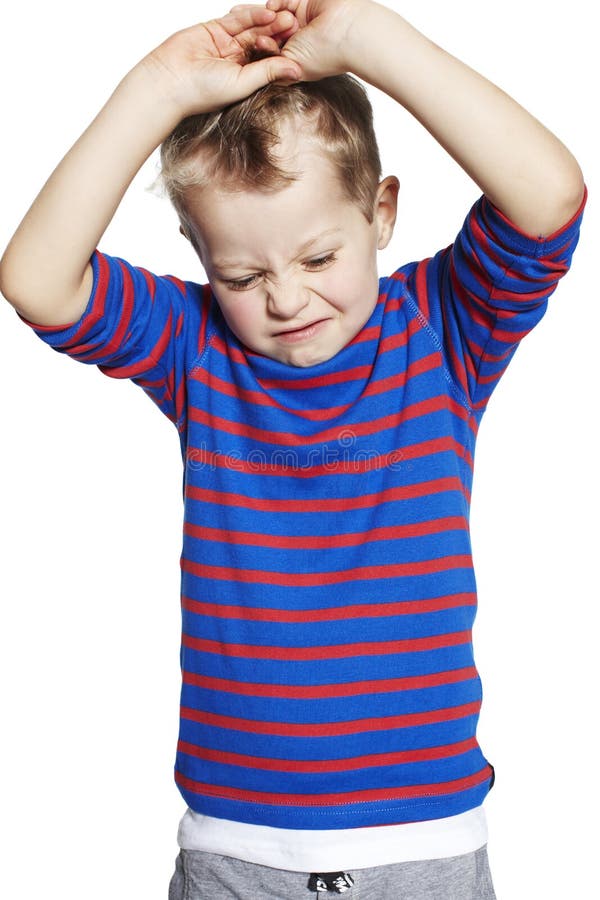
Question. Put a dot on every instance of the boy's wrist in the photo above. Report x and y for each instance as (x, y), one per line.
(154, 96)
(365, 31)
(386, 51)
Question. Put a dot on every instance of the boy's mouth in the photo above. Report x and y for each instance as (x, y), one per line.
(302, 332)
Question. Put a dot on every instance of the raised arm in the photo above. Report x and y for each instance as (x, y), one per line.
(524, 169)
(45, 272)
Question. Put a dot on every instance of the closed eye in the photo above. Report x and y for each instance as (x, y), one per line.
(249, 282)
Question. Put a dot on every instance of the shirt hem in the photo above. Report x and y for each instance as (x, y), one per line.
(343, 849)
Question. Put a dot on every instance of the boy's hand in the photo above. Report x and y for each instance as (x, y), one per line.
(199, 69)
(318, 44)
(204, 67)
(525, 170)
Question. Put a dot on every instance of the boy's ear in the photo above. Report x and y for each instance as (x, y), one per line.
(386, 207)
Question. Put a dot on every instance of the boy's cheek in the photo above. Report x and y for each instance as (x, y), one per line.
(240, 313)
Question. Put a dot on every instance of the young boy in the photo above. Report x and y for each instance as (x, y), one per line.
(327, 420)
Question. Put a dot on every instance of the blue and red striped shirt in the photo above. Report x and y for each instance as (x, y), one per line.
(327, 584)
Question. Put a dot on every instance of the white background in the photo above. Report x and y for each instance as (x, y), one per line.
(91, 509)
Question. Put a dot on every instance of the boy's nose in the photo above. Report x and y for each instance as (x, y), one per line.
(286, 300)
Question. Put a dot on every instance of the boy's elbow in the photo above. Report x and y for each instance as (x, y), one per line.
(573, 176)
(7, 280)
(572, 193)
(558, 202)
(15, 271)
(36, 301)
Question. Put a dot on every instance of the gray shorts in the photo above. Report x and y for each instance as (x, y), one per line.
(208, 876)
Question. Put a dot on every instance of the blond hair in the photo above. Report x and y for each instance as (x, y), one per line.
(236, 145)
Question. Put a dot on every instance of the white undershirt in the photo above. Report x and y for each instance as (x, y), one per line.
(333, 850)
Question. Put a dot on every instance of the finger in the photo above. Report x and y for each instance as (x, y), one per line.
(277, 5)
(281, 16)
(284, 22)
(275, 68)
(242, 17)
(238, 25)
(283, 36)
(284, 26)
(244, 7)
(268, 44)
(281, 29)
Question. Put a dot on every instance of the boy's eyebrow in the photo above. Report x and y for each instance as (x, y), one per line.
(231, 264)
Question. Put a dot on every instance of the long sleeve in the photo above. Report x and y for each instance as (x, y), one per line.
(486, 291)
(140, 326)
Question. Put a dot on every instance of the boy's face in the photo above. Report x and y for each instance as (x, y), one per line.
(294, 272)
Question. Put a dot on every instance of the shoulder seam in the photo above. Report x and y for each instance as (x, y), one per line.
(453, 384)
(199, 358)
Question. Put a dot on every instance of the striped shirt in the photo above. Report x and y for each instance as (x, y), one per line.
(327, 584)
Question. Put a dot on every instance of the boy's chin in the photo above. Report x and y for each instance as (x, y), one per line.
(298, 360)
(311, 361)
(306, 357)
